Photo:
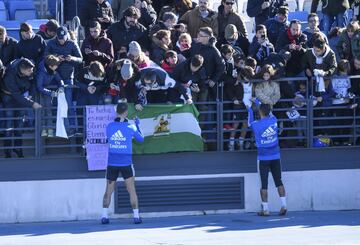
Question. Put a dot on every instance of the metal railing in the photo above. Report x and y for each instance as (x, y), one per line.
(335, 123)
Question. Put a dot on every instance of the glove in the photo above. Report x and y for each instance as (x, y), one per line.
(318, 72)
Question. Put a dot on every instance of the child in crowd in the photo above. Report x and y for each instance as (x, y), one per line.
(261, 47)
(170, 61)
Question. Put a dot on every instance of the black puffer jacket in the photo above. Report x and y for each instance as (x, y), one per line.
(93, 10)
(183, 74)
(254, 9)
(213, 63)
(33, 48)
(8, 51)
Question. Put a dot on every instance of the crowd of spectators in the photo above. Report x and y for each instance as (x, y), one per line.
(182, 52)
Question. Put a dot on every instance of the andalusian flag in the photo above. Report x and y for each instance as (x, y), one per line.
(168, 128)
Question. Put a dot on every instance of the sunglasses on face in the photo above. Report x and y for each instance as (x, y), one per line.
(229, 3)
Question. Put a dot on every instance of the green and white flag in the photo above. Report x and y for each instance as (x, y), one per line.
(168, 128)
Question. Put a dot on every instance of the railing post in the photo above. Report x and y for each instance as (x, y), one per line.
(220, 120)
(310, 114)
(38, 143)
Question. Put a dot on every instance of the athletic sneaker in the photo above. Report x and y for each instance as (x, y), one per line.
(137, 220)
(263, 213)
(105, 221)
(283, 211)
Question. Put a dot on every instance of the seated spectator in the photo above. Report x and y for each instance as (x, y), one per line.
(48, 81)
(161, 42)
(121, 76)
(48, 31)
(183, 45)
(344, 45)
(228, 15)
(331, 10)
(138, 56)
(278, 24)
(170, 61)
(148, 13)
(155, 79)
(8, 47)
(91, 81)
(96, 10)
(17, 91)
(201, 16)
(237, 41)
(213, 62)
(260, 47)
(294, 41)
(97, 47)
(313, 27)
(30, 46)
(267, 91)
(126, 30)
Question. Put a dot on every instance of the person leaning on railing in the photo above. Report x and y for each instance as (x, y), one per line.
(16, 92)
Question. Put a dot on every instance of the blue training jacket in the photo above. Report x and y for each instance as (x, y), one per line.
(266, 136)
(119, 136)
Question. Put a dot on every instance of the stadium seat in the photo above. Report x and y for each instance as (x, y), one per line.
(300, 15)
(21, 10)
(12, 28)
(292, 5)
(3, 12)
(35, 23)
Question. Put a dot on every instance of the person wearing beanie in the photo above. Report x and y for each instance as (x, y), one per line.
(237, 41)
(134, 49)
(277, 24)
(228, 15)
(31, 45)
(126, 30)
(97, 47)
(121, 77)
(120, 135)
(48, 31)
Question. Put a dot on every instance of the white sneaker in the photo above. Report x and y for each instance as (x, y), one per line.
(231, 147)
(44, 133)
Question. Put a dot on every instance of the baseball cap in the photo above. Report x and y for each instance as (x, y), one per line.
(61, 32)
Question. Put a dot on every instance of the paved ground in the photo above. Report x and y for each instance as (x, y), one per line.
(327, 227)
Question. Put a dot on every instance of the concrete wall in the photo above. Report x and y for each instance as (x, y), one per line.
(58, 200)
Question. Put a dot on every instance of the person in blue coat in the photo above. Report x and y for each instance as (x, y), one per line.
(119, 136)
(267, 142)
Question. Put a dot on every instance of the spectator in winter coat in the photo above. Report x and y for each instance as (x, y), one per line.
(331, 10)
(17, 91)
(148, 13)
(278, 24)
(167, 22)
(154, 79)
(344, 45)
(70, 57)
(261, 47)
(96, 10)
(355, 41)
(48, 31)
(263, 10)
(121, 77)
(126, 30)
(8, 47)
(161, 43)
(136, 55)
(48, 83)
(30, 46)
(183, 45)
(294, 41)
(237, 40)
(213, 62)
(201, 16)
(267, 91)
(227, 15)
(170, 61)
(97, 47)
(313, 27)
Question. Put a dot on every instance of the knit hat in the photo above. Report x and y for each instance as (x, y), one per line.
(231, 32)
(134, 49)
(126, 70)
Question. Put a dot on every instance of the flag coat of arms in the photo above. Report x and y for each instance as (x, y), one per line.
(168, 128)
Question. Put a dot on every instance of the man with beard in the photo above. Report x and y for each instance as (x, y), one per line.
(201, 16)
(126, 30)
(97, 47)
